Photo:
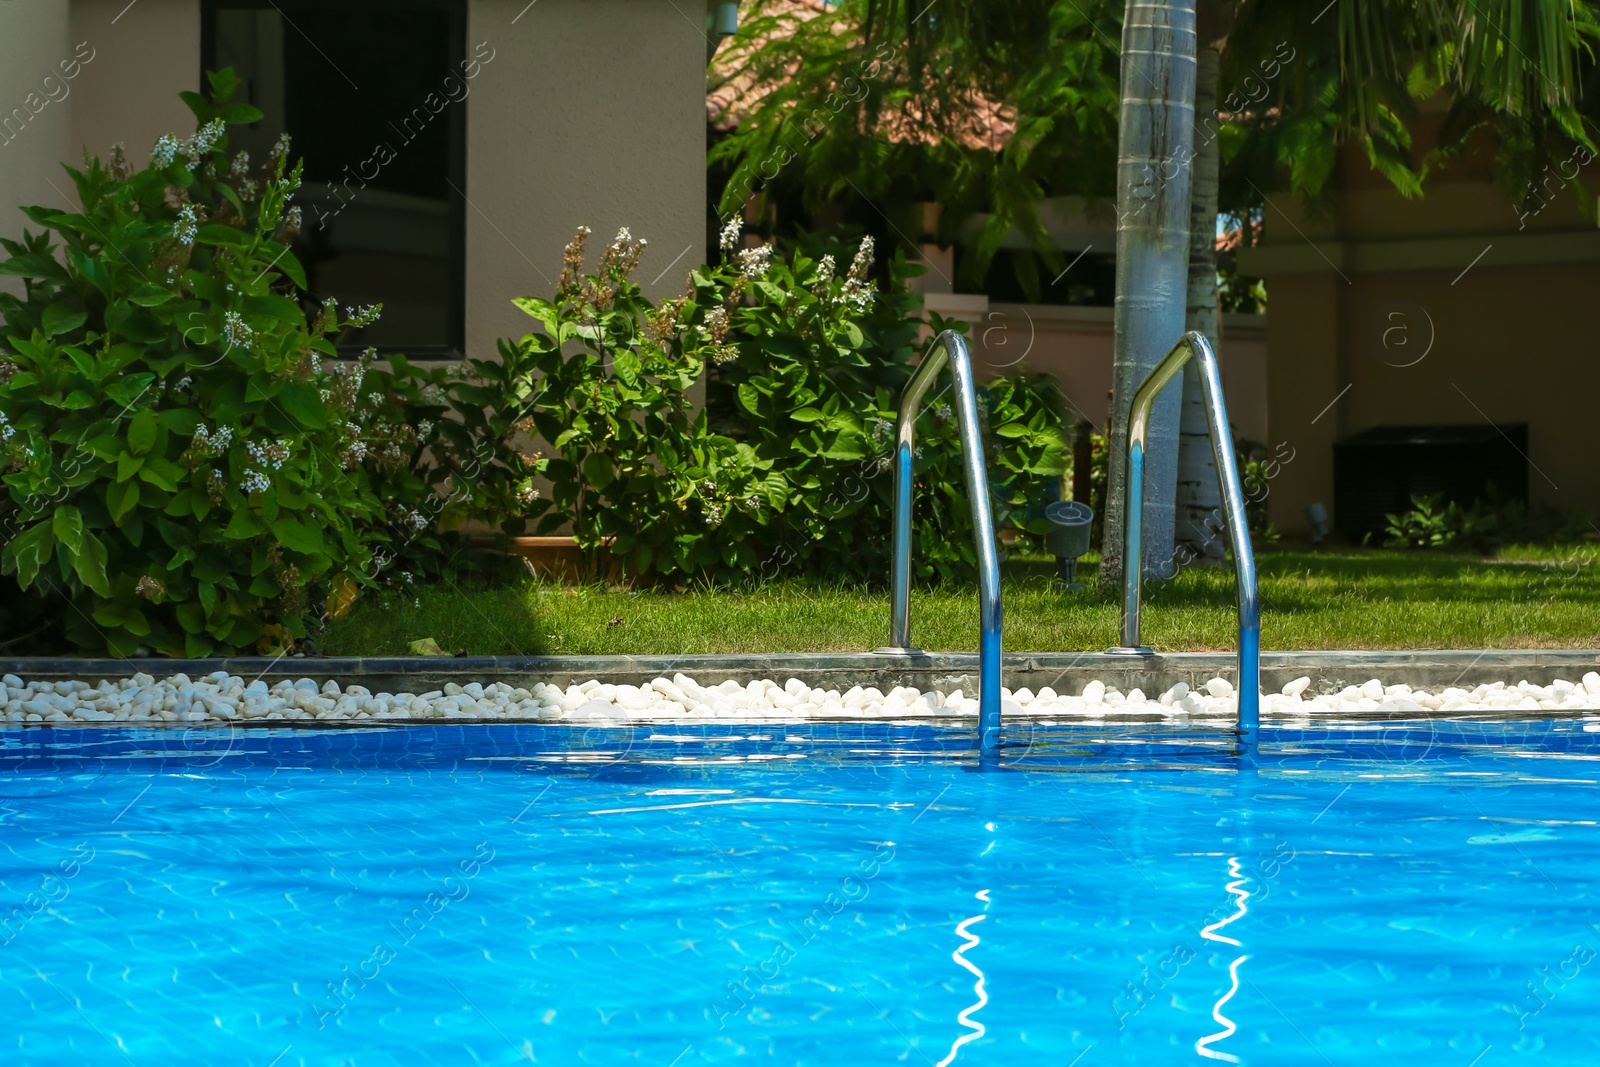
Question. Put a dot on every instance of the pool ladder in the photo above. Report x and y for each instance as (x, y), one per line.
(949, 348)
(1193, 345)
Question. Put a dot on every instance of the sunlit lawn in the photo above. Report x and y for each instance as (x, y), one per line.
(1525, 598)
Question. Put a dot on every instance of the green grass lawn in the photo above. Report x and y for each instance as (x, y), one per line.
(1523, 598)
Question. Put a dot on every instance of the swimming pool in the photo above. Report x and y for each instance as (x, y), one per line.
(817, 894)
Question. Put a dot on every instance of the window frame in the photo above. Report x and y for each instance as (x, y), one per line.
(455, 163)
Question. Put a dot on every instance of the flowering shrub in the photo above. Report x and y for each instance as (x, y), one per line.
(785, 464)
(811, 367)
(187, 470)
(605, 383)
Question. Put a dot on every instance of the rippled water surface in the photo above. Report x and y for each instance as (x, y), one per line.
(799, 895)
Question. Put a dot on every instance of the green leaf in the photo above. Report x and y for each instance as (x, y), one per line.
(243, 524)
(181, 421)
(128, 465)
(223, 236)
(90, 565)
(749, 398)
(807, 415)
(149, 296)
(161, 473)
(192, 617)
(301, 402)
(298, 536)
(36, 265)
(281, 258)
(125, 390)
(67, 524)
(142, 432)
(597, 470)
(239, 114)
(32, 549)
(61, 318)
(121, 497)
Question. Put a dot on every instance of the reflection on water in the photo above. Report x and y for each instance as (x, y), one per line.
(1237, 890)
(960, 956)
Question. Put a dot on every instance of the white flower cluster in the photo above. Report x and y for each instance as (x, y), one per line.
(527, 495)
(353, 455)
(165, 151)
(858, 291)
(208, 443)
(754, 262)
(7, 431)
(417, 520)
(366, 315)
(204, 140)
(272, 454)
(236, 330)
(825, 270)
(186, 226)
(424, 428)
(255, 482)
(241, 166)
(730, 234)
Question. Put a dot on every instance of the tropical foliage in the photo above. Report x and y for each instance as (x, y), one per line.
(193, 466)
(186, 472)
(785, 466)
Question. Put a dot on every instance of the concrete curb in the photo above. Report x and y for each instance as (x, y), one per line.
(1330, 671)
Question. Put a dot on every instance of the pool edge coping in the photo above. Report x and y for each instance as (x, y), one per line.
(1330, 670)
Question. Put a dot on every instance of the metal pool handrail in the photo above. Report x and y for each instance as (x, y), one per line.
(950, 348)
(1244, 561)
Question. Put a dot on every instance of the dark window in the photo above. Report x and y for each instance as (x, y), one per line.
(371, 92)
(1090, 281)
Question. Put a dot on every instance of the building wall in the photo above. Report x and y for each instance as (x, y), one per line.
(1074, 346)
(146, 55)
(35, 113)
(592, 113)
(1455, 309)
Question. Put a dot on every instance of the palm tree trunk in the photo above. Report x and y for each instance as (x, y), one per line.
(1154, 160)
(1199, 500)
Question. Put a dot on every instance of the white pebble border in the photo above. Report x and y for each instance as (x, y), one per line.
(225, 698)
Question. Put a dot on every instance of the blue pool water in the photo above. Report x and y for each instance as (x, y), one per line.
(799, 895)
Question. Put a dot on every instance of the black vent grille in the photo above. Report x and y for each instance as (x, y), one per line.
(1377, 471)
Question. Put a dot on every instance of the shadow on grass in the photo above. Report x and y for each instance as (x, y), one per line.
(479, 621)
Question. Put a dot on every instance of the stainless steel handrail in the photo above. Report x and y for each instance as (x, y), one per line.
(949, 347)
(1244, 561)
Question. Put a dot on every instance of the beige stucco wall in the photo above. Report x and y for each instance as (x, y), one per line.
(592, 113)
(35, 130)
(129, 64)
(147, 54)
(1450, 310)
(1074, 346)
